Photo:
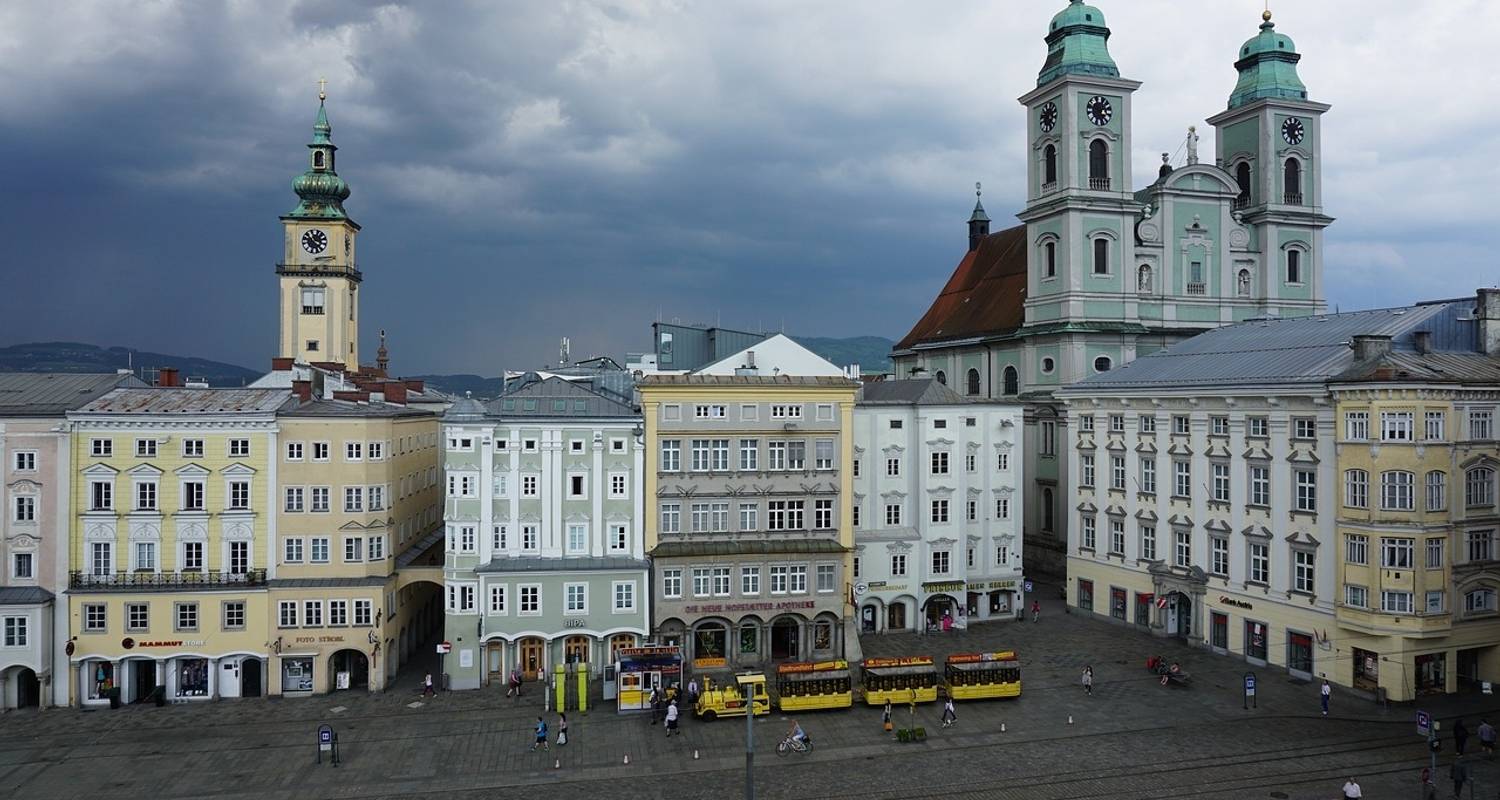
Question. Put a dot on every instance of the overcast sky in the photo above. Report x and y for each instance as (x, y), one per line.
(527, 171)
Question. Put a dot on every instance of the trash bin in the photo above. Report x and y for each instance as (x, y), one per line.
(159, 695)
(445, 681)
(114, 697)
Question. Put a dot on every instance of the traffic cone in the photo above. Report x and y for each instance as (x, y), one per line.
(557, 764)
(1002, 727)
(1070, 719)
(695, 755)
(627, 759)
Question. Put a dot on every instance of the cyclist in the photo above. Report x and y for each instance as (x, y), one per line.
(796, 734)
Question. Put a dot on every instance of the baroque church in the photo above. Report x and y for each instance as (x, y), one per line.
(1099, 272)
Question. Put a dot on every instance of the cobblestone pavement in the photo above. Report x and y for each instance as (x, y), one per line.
(1132, 738)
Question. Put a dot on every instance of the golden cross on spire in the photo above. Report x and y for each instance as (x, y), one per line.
(322, 89)
(977, 188)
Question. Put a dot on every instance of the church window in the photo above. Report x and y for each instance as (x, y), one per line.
(1050, 251)
(1292, 180)
(1242, 175)
(1012, 381)
(1101, 256)
(318, 159)
(1049, 166)
(942, 377)
(1102, 364)
(312, 345)
(1143, 278)
(1294, 266)
(1098, 165)
(973, 382)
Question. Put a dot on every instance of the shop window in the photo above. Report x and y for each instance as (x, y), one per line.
(1219, 631)
(192, 677)
(1143, 609)
(1117, 604)
(1255, 640)
(297, 674)
(1085, 595)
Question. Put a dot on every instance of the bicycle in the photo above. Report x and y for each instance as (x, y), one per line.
(789, 744)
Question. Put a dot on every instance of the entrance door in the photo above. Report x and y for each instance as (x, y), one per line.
(494, 663)
(142, 680)
(250, 677)
(576, 650)
(28, 689)
(531, 658)
(895, 617)
(229, 678)
(351, 670)
(867, 619)
(1299, 655)
(1179, 615)
(784, 635)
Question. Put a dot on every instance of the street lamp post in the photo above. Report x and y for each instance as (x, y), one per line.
(747, 689)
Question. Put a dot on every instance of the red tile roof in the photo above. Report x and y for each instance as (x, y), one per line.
(985, 295)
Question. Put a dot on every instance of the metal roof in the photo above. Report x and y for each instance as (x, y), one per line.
(1300, 350)
(754, 547)
(328, 583)
(51, 394)
(188, 401)
(347, 408)
(24, 595)
(749, 380)
(570, 564)
(919, 392)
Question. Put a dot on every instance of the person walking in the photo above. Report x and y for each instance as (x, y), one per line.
(1325, 693)
(885, 716)
(427, 690)
(1352, 790)
(541, 735)
(949, 715)
(1459, 772)
(562, 730)
(1486, 737)
(1460, 737)
(1036, 611)
(672, 718)
(692, 692)
(517, 680)
(1088, 681)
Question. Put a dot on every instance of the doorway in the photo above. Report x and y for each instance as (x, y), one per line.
(142, 680)
(494, 663)
(351, 670)
(1468, 669)
(576, 650)
(785, 633)
(250, 677)
(867, 617)
(229, 678)
(531, 658)
(1179, 615)
(895, 616)
(28, 689)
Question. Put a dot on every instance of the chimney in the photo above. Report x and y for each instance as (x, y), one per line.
(1423, 340)
(395, 392)
(1368, 346)
(282, 364)
(1487, 314)
(166, 377)
(303, 390)
(352, 395)
(414, 385)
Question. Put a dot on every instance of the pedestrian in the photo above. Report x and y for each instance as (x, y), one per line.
(1088, 681)
(672, 718)
(885, 716)
(1325, 692)
(1351, 789)
(1036, 611)
(949, 715)
(1486, 737)
(427, 690)
(692, 695)
(562, 729)
(654, 701)
(541, 735)
(518, 679)
(1459, 772)
(1460, 737)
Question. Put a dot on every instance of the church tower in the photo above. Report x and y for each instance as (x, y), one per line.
(1270, 140)
(1080, 210)
(319, 319)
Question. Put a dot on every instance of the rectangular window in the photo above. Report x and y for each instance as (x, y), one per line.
(786, 412)
(749, 512)
(619, 537)
(1116, 423)
(826, 577)
(497, 599)
(1437, 491)
(971, 464)
(1047, 433)
(797, 579)
(294, 496)
(939, 511)
(749, 412)
(778, 578)
(893, 467)
(101, 558)
(377, 498)
(354, 548)
(577, 486)
(1302, 571)
(145, 496)
(1435, 553)
(291, 550)
(1260, 563)
(1219, 555)
(1257, 427)
(1221, 482)
(531, 600)
(1002, 508)
(1435, 602)
(145, 448)
(1306, 489)
(101, 496)
(1356, 596)
(971, 511)
(776, 455)
(1117, 537)
(1434, 427)
(671, 455)
(1181, 425)
(1481, 424)
(25, 509)
(286, 614)
(138, 616)
(234, 614)
(898, 565)
(721, 581)
(893, 514)
(1218, 425)
(750, 581)
(1356, 488)
(1357, 425)
(1182, 479)
(1395, 602)
(1148, 542)
(1088, 537)
(1147, 425)
(575, 598)
(1260, 486)
(1356, 548)
(940, 463)
(1183, 554)
(624, 596)
(1117, 473)
(1397, 490)
(364, 613)
(708, 412)
(940, 562)
(1002, 461)
(319, 451)
(318, 549)
(700, 517)
(822, 453)
(671, 582)
(1396, 553)
(22, 566)
(1304, 428)
(701, 581)
(1086, 423)
(354, 498)
(101, 448)
(749, 455)
(319, 498)
(25, 461)
(94, 617)
(1479, 487)
(145, 556)
(822, 514)
(1481, 545)
(1148, 474)
(578, 538)
(187, 616)
(239, 495)
(529, 541)
(1086, 471)
(239, 448)
(354, 451)
(1396, 426)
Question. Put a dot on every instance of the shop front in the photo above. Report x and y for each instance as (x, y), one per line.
(157, 668)
(638, 670)
(885, 606)
(309, 663)
(1299, 654)
(941, 606)
(1432, 673)
(992, 600)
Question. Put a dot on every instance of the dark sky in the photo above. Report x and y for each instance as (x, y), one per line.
(527, 171)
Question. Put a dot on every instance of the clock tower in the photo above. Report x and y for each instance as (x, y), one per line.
(319, 318)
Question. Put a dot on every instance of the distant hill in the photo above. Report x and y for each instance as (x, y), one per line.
(76, 357)
(871, 353)
(456, 385)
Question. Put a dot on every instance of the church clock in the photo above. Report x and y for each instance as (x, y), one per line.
(1099, 110)
(1292, 130)
(314, 241)
(1048, 117)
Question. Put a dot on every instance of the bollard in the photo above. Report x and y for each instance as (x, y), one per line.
(1002, 727)
(557, 764)
(695, 755)
(627, 759)
(1070, 719)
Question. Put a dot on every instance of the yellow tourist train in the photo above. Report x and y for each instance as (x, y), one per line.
(724, 695)
(913, 679)
(808, 686)
(975, 676)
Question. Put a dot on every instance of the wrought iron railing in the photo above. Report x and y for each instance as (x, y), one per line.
(165, 580)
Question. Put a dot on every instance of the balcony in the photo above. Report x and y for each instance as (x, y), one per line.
(191, 579)
(1100, 184)
(1292, 198)
(1049, 188)
(1197, 288)
(1241, 202)
(313, 310)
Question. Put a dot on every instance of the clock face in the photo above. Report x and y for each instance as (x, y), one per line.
(1292, 130)
(314, 241)
(1099, 110)
(1048, 117)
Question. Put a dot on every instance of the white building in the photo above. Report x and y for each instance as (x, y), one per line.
(937, 511)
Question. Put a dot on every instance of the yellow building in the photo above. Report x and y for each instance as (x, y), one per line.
(359, 494)
(1417, 464)
(170, 545)
(749, 519)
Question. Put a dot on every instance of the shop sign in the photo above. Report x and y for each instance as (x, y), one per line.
(444, 648)
(574, 623)
(172, 643)
(329, 639)
(1225, 600)
(883, 586)
(861, 587)
(976, 658)
(876, 585)
(713, 608)
(947, 586)
(904, 661)
(981, 585)
(710, 663)
(651, 651)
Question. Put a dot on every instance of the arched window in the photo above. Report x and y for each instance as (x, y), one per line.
(973, 382)
(318, 159)
(1012, 381)
(1242, 175)
(1292, 180)
(1049, 165)
(1101, 256)
(1242, 282)
(942, 377)
(1294, 266)
(1102, 364)
(1143, 278)
(1098, 165)
(1479, 487)
(1049, 253)
(1047, 510)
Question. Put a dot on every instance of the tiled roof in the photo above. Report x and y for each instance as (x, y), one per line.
(751, 547)
(50, 394)
(188, 401)
(347, 408)
(923, 392)
(24, 595)
(570, 564)
(327, 583)
(984, 296)
(748, 380)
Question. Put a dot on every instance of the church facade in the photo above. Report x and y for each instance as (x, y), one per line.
(1100, 273)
